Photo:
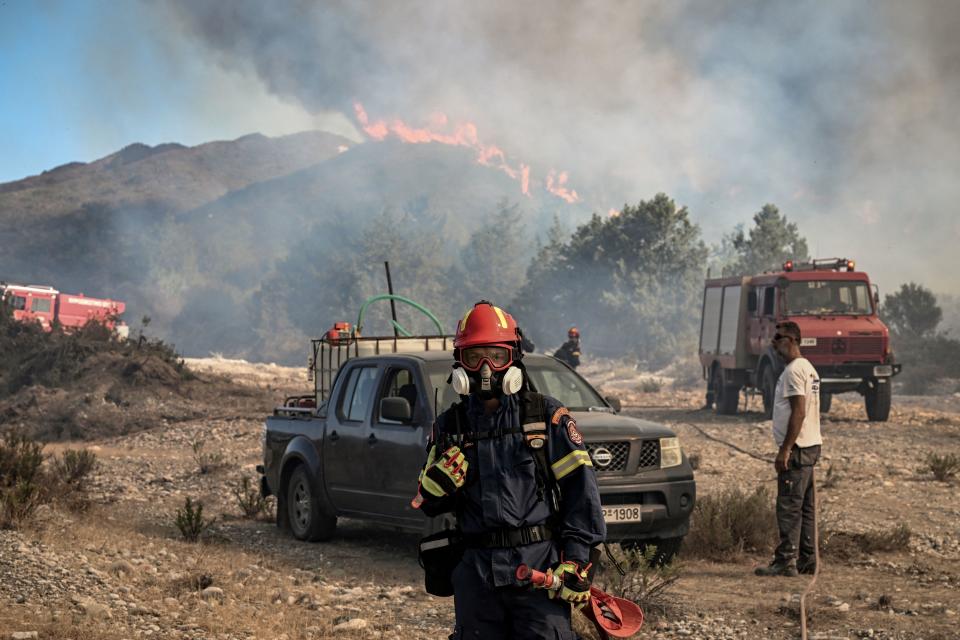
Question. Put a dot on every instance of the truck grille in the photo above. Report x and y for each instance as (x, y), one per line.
(649, 454)
(837, 346)
(609, 456)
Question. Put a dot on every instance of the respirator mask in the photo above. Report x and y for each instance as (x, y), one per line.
(486, 370)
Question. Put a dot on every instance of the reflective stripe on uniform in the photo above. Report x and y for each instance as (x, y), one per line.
(570, 462)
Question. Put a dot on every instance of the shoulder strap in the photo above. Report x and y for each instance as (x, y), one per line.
(533, 418)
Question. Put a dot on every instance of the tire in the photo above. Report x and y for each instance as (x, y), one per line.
(667, 549)
(768, 387)
(877, 399)
(310, 517)
(826, 399)
(727, 397)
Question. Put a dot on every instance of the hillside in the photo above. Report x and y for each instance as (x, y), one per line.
(170, 177)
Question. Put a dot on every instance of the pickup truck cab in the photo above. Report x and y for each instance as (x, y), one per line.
(359, 452)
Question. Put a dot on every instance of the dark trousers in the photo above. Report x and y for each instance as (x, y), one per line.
(506, 613)
(795, 507)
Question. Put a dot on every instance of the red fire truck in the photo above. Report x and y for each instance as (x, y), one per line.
(46, 305)
(836, 309)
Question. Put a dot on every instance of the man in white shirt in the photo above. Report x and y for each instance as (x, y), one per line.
(796, 430)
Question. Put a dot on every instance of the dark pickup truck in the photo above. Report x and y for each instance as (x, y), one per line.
(358, 450)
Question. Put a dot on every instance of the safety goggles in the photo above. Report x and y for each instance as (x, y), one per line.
(497, 357)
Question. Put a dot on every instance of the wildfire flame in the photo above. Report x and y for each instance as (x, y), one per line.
(463, 135)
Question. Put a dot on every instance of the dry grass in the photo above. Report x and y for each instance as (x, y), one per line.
(943, 467)
(849, 546)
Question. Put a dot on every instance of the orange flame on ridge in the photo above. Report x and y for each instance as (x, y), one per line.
(463, 135)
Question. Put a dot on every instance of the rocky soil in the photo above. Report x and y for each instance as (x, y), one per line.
(121, 570)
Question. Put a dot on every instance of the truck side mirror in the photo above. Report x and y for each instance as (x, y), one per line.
(752, 301)
(394, 408)
(614, 402)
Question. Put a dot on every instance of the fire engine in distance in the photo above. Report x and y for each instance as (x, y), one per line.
(47, 306)
(842, 335)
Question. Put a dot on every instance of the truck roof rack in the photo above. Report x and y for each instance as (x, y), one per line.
(332, 352)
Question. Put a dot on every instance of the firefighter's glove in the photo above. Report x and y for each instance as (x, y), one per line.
(575, 587)
(444, 475)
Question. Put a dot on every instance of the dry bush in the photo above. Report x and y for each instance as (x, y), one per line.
(832, 477)
(650, 385)
(207, 462)
(645, 581)
(190, 521)
(72, 472)
(23, 485)
(687, 373)
(725, 525)
(943, 467)
(252, 504)
(694, 460)
(849, 546)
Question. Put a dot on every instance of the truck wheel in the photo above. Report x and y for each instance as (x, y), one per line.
(725, 395)
(310, 517)
(825, 400)
(768, 387)
(877, 399)
(667, 548)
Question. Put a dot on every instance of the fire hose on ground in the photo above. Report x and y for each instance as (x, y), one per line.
(612, 616)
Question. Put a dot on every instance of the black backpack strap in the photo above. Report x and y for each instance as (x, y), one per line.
(533, 418)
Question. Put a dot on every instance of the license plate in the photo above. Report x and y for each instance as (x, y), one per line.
(622, 513)
(808, 342)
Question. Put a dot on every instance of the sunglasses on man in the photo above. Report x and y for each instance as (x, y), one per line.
(777, 337)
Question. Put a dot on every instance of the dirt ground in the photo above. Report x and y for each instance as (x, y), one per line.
(121, 570)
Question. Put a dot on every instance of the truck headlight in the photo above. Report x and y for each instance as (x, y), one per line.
(883, 370)
(670, 453)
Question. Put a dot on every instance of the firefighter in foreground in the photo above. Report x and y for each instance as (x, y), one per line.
(569, 351)
(522, 487)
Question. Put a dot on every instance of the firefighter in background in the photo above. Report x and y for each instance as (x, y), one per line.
(569, 351)
(521, 484)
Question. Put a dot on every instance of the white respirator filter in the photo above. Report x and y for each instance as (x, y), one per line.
(460, 382)
(512, 381)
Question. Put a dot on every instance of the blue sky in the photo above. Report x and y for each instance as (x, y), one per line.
(80, 80)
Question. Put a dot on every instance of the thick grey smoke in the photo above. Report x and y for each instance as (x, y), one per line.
(840, 113)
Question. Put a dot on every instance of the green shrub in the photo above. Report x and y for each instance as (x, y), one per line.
(190, 521)
(725, 525)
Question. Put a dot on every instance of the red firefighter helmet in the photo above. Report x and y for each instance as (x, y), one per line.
(487, 325)
(573, 333)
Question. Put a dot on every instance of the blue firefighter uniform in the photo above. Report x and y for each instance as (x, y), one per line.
(505, 514)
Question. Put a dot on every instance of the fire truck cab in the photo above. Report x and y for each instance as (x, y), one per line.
(842, 335)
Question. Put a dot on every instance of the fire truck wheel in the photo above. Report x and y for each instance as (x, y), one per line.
(768, 386)
(877, 398)
(826, 399)
(310, 517)
(726, 396)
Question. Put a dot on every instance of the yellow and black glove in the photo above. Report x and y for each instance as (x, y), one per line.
(576, 583)
(443, 476)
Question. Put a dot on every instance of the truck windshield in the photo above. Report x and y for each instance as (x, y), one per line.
(827, 297)
(549, 377)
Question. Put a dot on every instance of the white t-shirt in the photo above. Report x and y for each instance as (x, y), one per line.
(799, 378)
